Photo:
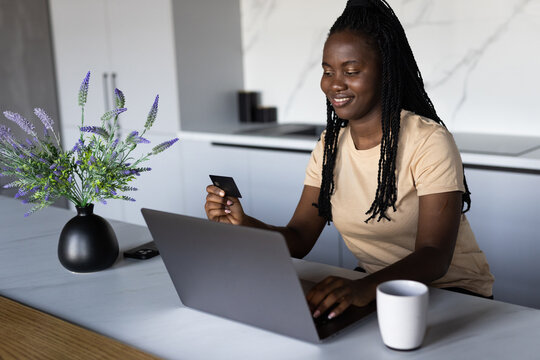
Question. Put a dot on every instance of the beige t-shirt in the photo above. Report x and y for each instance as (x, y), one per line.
(428, 162)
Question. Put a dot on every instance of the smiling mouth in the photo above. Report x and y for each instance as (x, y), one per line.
(340, 102)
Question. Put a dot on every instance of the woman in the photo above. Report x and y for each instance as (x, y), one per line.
(385, 171)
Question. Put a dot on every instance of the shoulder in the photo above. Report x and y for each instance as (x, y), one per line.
(417, 131)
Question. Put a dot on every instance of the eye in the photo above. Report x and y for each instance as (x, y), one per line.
(351, 73)
(327, 73)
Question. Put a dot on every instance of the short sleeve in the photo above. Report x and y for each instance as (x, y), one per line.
(437, 165)
(314, 167)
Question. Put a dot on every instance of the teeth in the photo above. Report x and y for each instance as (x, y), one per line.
(341, 100)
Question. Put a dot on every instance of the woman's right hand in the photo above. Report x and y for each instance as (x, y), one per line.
(223, 208)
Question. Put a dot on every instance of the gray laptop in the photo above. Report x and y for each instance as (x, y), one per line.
(240, 273)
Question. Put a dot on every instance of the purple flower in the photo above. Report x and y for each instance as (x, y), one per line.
(115, 143)
(53, 166)
(22, 156)
(113, 192)
(163, 146)
(119, 98)
(95, 130)
(78, 162)
(152, 114)
(29, 142)
(141, 140)
(78, 146)
(47, 197)
(39, 176)
(5, 132)
(103, 201)
(126, 172)
(96, 189)
(110, 114)
(45, 119)
(42, 160)
(132, 135)
(57, 173)
(83, 91)
(24, 201)
(69, 179)
(21, 121)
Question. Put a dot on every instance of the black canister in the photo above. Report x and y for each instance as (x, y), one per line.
(266, 115)
(248, 102)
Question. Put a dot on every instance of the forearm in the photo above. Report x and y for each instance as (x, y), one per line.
(424, 265)
(298, 246)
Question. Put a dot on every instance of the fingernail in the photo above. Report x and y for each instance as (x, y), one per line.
(331, 315)
(227, 211)
(222, 193)
(316, 314)
(229, 202)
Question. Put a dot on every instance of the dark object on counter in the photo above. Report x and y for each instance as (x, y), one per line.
(142, 252)
(266, 115)
(248, 102)
(87, 242)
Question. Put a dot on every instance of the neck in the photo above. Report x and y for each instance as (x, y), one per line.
(366, 132)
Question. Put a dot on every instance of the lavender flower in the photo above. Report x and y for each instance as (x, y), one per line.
(5, 133)
(152, 114)
(141, 140)
(43, 160)
(57, 173)
(112, 192)
(53, 166)
(78, 162)
(110, 114)
(29, 142)
(83, 91)
(95, 130)
(21, 121)
(131, 137)
(119, 98)
(163, 146)
(45, 119)
(103, 201)
(70, 179)
(96, 189)
(78, 146)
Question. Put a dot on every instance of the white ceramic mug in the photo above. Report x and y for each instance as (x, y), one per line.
(402, 313)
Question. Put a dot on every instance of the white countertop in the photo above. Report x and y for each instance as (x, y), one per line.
(135, 302)
(480, 150)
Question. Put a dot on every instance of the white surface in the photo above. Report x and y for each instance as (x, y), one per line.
(402, 313)
(135, 302)
(523, 161)
(477, 58)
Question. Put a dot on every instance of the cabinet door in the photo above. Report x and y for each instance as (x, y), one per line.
(504, 218)
(143, 60)
(277, 180)
(81, 44)
(200, 159)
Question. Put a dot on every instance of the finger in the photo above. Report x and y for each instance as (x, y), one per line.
(333, 298)
(344, 303)
(216, 214)
(211, 189)
(321, 289)
(217, 199)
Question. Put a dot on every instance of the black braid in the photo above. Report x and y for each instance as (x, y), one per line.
(402, 88)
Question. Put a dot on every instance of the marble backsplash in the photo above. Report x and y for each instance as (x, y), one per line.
(477, 58)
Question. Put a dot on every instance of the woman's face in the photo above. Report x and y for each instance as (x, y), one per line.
(351, 77)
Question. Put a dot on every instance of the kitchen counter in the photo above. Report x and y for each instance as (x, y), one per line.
(483, 151)
(135, 303)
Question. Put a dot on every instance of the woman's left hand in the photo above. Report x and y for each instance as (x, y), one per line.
(339, 292)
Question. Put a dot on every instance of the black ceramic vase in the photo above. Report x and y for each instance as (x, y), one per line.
(87, 242)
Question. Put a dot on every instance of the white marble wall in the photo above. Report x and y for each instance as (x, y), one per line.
(478, 58)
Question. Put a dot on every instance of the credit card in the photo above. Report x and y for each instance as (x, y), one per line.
(227, 184)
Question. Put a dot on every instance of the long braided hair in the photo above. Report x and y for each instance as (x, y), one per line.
(402, 88)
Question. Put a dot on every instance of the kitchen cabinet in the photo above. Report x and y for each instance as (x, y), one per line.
(117, 41)
(504, 217)
(127, 44)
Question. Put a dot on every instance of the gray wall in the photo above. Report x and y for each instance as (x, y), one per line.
(27, 78)
(209, 57)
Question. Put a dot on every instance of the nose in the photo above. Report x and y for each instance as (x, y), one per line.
(337, 83)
